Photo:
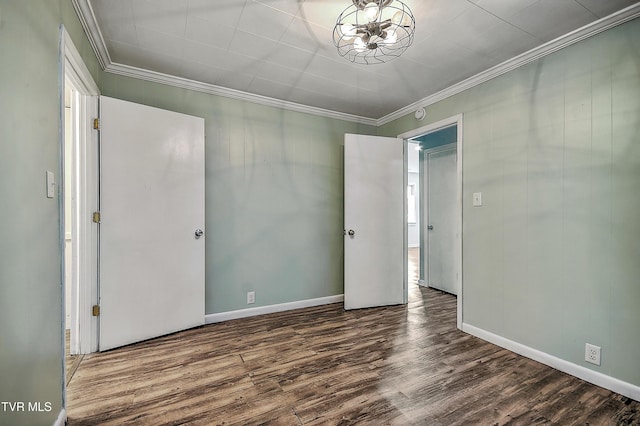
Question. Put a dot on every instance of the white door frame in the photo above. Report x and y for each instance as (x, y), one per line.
(85, 185)
(430, 128)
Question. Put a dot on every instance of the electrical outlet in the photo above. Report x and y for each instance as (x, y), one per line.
(592, 353)
(251, 297)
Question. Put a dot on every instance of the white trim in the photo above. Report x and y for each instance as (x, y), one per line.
(270, 309)
(81, 76)
(534, 54)
(84, 235)
(61, 206)
(62, 418)
(92, 29)
(456, 120)
(616, 385)
(87, 231)
(432, 127)
(459, 144)
(405, 222)
(90, 25)
(184, 83)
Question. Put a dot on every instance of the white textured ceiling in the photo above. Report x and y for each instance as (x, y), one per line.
(283, 49)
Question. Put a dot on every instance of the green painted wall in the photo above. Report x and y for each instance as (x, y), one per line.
(30, 252)
(439, 138)
(274, 211)
(551, 259)
(30, 289)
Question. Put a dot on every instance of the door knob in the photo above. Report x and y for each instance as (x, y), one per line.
(430, 227)
(199, 233)
(352, 232)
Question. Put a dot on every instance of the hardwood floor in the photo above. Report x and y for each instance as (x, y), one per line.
(71, 362)
(399, 365)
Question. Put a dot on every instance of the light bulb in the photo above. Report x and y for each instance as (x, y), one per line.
(401, 18)
(371, 11)
(348, 31)
(392, 37)
(359, 45)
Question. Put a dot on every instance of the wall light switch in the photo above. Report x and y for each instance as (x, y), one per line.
(51, 185)
(477, 199)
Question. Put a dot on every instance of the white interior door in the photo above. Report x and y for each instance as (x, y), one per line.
(374, 200)
(441, 219)
(152, 203)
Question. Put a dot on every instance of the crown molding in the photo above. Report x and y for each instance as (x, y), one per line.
(184, 83)
(92, 29)
(589, 30)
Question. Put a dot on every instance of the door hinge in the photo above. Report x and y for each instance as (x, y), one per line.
(95, 310)
(96, 123)
(96, 217)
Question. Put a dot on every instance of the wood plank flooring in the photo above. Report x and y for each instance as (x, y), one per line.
(399, 365)
(71, 362)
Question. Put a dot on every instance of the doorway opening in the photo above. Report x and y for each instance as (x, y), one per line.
(437, 158)
(434, 207)
(414, 269)
(79, 181)
(72, 336)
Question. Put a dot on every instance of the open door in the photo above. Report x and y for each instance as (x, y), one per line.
(374, 200)
(152, 217)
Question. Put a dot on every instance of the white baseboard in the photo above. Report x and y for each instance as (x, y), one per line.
(281, 307)
(62, 418)
(616, 385)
